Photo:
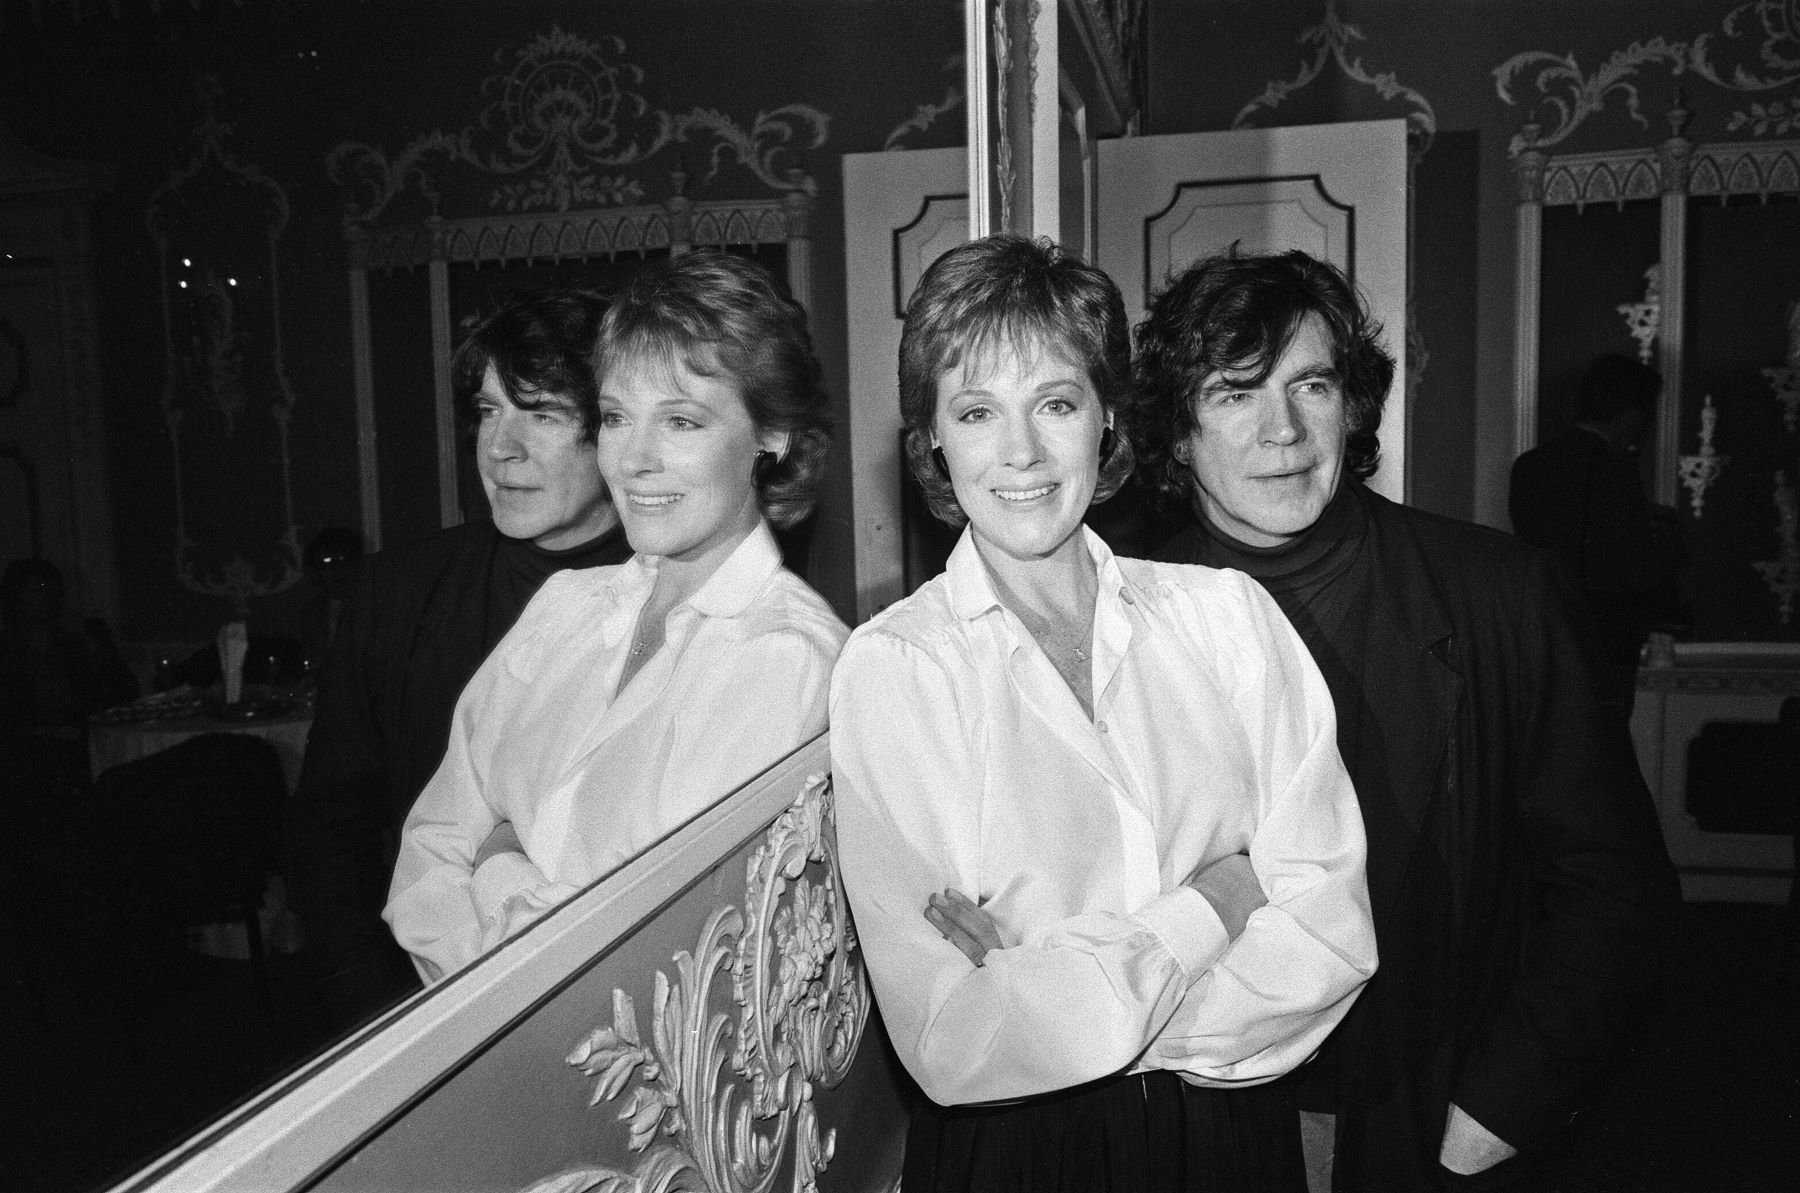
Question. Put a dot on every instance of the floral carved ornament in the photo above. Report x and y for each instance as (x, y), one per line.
(564, 121)
(1759, 40)
(801, 1000)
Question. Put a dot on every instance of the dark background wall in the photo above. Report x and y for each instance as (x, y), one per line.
(1597, 75)
(132, 86)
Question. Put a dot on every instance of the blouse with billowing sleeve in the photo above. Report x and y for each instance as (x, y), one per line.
(590, 776)
(961, 759)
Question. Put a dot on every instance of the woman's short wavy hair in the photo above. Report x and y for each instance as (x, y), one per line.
(1009, 289)
(1240, 311)
(724, 316)
(538, 343)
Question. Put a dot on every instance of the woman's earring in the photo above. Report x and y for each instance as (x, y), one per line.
(943, 465)
(1106, 446)
(760, 466)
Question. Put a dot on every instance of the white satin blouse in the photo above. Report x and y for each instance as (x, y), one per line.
(961, 759)
(590, 776)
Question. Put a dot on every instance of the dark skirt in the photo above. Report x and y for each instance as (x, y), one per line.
(1139, 1134)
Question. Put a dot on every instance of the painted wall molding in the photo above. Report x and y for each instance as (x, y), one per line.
(1331, 40)
(563, 132)
(209, 319)
(1755, 49)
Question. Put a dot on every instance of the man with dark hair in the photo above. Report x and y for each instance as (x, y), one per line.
(1521, 892)
(423, 616)
(1581, 497)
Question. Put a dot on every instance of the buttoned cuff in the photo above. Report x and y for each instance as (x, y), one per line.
(1188, 927)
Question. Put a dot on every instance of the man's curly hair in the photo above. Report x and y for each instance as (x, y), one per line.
(1240, 312)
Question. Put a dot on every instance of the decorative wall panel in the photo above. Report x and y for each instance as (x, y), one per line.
(565, 129)
(217, 224)
(1754, 51)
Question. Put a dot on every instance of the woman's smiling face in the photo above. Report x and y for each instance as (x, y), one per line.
(1020, 427)
(678, 450)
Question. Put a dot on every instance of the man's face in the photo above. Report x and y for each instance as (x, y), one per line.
(539, 474)
(1267, 458)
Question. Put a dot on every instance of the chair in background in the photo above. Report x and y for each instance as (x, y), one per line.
(194, 834)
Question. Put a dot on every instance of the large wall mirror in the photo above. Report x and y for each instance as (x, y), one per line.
(367, 176)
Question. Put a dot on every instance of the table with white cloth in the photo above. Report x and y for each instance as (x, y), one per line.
(117, 736)
(113, 742)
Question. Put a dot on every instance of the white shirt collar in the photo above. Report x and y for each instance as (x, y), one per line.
(971, 590)
(729, 590)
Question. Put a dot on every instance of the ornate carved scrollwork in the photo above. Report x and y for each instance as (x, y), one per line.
(1644, 319)
(1699, 471)
(1785, 380)
(1782, 574)
(802, 1001)
(215, 221)
(1571, 96)
(1331, 39)
(564, 132)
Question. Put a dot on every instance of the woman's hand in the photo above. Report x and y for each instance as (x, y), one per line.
(963, 924)
(1230, 885)
(504, 839)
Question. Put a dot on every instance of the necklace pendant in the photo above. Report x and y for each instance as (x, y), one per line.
(637, 649)
(1081, 655)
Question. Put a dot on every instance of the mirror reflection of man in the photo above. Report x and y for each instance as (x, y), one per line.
(1521, 892)
(1581, 496)
(423, 616)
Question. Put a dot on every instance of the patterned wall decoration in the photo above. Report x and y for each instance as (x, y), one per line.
(1331, 40)
(1784, 379)
(927, 114)
(1700, 470)
(1643, 319)
(217, 224)
(801, 1002)
(564, 125)
(1782, 574)
(1754, 51)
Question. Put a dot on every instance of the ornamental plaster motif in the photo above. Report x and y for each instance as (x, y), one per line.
(1785, 380)
(1699, 471)
(1644, 319)
(1570, 96)
(1782, 574)
(564, 120)
(802, 1001)
(209, 320)
(926, 115)
(1331, 39)
(1003, 155)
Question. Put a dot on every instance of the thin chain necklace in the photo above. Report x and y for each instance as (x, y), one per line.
(1056, 642)
(648, 638)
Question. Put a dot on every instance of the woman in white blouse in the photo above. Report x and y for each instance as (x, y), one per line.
(629, 698)
(1104, 860)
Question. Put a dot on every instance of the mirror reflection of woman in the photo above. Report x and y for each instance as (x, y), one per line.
(627, 699)
(1105, 862)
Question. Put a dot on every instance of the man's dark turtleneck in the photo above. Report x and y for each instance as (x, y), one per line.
(1323, 581)
(1319, 578)
(519, 568)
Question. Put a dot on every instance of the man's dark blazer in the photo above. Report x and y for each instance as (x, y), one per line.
(412, 633)
(1522, 895)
